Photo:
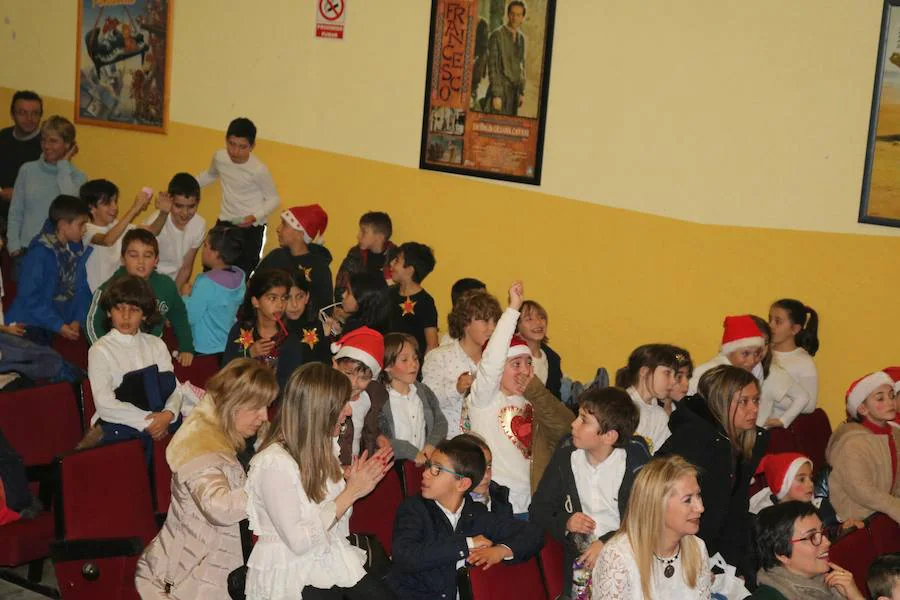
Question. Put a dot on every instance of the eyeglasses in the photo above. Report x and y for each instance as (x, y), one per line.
(435, 470)
(815, 538)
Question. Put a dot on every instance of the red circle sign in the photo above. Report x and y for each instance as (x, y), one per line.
(331, 10)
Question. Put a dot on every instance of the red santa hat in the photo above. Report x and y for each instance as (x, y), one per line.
(740, 332)
(860, 389)
(311, 220)
(365, 345)
(517, 347)
(780, 470)
(894, 373)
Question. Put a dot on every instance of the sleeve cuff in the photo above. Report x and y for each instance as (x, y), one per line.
(470, 543)
(511, 553)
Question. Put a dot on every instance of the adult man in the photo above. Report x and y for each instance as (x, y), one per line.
(19, 144)
(506, 62)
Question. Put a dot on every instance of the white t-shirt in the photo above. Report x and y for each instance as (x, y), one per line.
(175, 243)
(360, 408)
(104, 260)
(598, 488)
(541, 366)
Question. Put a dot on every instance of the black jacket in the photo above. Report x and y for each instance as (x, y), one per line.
(426, 549)
(500, 504)
(556, 498)
(724, 479)
(554, 370)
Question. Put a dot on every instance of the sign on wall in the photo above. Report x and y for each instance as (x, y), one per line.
(486, 88)
(330, 18)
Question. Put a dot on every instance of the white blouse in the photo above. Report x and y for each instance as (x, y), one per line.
(802, 368)
(653, 425)
(300, 543)
(408, 415)
(440, 371)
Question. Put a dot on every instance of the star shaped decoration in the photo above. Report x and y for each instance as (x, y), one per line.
(310, 338)
(408, 307)
(307, 272)
(245, 339)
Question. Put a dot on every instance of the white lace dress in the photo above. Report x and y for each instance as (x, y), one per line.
(297, 545)
(616, 575)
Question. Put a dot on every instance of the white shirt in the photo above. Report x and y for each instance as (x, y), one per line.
(541, 366)
(802, 368)
(247, 189)
(104, 260)
(781, 397)
(718, 359)
(440, 371)
(174, 243)
(409, 416)
(654, 422)
(109, 359)
(598, 488)
(360, 408)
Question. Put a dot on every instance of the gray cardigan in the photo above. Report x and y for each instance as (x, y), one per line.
(435, 423)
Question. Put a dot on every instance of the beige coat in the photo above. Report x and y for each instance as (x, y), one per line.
(552, 422)
(860, 482)
(199, 545)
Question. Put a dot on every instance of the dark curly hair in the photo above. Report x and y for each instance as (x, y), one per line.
(134, 291)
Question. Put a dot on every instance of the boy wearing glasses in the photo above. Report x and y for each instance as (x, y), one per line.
(442, 530)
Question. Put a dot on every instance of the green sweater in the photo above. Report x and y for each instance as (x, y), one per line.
(169, 303)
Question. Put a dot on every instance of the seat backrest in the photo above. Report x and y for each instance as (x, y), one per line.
(162, 476)
(105, 493)
(781, 440)
(854, 552)
(41, 422)
(812, 433)
(74, 352)
(552, 559)
(201, 369)
(521, 581)
(375, 513)
(885, 533)
(87, 404)
(412, 478)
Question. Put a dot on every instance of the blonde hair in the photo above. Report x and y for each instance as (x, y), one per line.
(310, 407)
(645, 515)
(243, 383)
(62, 127)
(721, 387)
(530, 306)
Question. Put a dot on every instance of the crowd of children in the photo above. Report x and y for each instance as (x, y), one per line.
(504, 459)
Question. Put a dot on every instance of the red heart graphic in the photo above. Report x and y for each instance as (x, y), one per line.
(521, 426)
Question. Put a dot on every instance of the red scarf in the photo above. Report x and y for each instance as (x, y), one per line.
(885, 430)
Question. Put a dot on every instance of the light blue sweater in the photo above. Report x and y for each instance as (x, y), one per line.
(37, 186)
(212, 308)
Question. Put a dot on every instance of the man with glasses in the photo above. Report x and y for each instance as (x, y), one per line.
(19, 144)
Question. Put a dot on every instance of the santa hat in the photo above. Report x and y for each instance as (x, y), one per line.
(311, 220)
(780, 470)
(517, 347)
(365, 345)
(860, 389)
(894, 373)
(740, 332)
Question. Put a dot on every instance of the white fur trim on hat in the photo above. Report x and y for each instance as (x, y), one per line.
(858, 393)
(518, 350)
(734, 345)
(789, 475)
(356, 354)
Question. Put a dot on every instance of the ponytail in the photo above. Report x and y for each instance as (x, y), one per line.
(808, 320)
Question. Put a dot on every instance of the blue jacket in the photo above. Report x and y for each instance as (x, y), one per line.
(39, 283)
(212, 311)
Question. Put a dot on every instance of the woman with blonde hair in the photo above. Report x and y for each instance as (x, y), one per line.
(656, 553)
(299, 503)
(200, 543)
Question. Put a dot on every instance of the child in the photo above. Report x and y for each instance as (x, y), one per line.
(795, 341)
(412, 308)
(584, 491)
(427, 553)
(104, 232)
(260, 330)
(450, 369)
(360, 355)
(460, 287)
(533, 329)
(683, 372)
(884, 577)
(410, 416)
(894, 373)
(741, 341)
(365, 303)
(140, 254)
(53, 294)
(863, 452)
(182, 231)
(216, 294)
(248, 191)
(119, 364)
(306, 341)
(648, 377)
(494, 496)
(781, 398)
(370, 255)
(299, 234)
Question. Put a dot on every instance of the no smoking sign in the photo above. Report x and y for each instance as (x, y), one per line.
(330, 17)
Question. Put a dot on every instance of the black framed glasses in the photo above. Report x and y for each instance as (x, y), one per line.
(435, 470)
(815, 538)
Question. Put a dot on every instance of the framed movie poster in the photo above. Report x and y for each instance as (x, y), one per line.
(486, 88)
(124, 57)
(880, 203)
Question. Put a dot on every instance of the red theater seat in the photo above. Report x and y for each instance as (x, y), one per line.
(87, 404)
(412, 477)
(885, 533)
(781, 440)
(375, 513)
(521, 581)
(854, 552)
(201, 369)
(74, 352)
(812, 433)
(552, 559)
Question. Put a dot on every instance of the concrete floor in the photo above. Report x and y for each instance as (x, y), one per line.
(10, 591)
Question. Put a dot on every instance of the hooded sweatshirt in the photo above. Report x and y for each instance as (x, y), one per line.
(315, 264)
(212, 307)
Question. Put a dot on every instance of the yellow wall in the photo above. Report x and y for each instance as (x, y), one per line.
(718, 112)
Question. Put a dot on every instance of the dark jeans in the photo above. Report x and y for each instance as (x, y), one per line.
(251, 246)
(35, 361)
(116, 432)
(368, 588)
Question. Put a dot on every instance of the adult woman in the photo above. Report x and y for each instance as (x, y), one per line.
(716, 431)
(200, 544)
(793, 554)
(656, 553)
(299, 504)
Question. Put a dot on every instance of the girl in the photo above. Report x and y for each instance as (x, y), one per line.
(741, 341)
(449, 369)
(306, 340)
(533, 329)
(863, 452)
(208, 497)
(648, 377)
(795, 341)
(684, 370)
(123, 361)
(260, 330)
(365, 304)
(410, 415)
(298, 501)
(782, 398)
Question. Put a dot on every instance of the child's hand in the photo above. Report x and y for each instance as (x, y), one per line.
(516, 295)
(159, 424)
(488, 557)
(420, 458)
(850, 523)
(382, 442)
(14, 329)
(163, 202)
(589, 556)
(521, 382)
(770, 423)
(141, 201)
(479, 541)
(580, 523)
(185, 358)
(464, 383)
(68, 332)
(261, 348)
(331, 326)
(187, 288)
(247, 222)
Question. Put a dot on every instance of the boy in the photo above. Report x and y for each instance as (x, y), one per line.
(442, 529)
(884, 577)
(494, 496)
(140, 254)
(360, 356)
(216, 294)
(460, 287)
(181, 232)
(248, 192)
(371, 252)
(53, 294)
(412, 308)
(104, 232)
(585, 488)
(299, 234)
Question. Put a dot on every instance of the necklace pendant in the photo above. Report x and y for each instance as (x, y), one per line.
(669, 571)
